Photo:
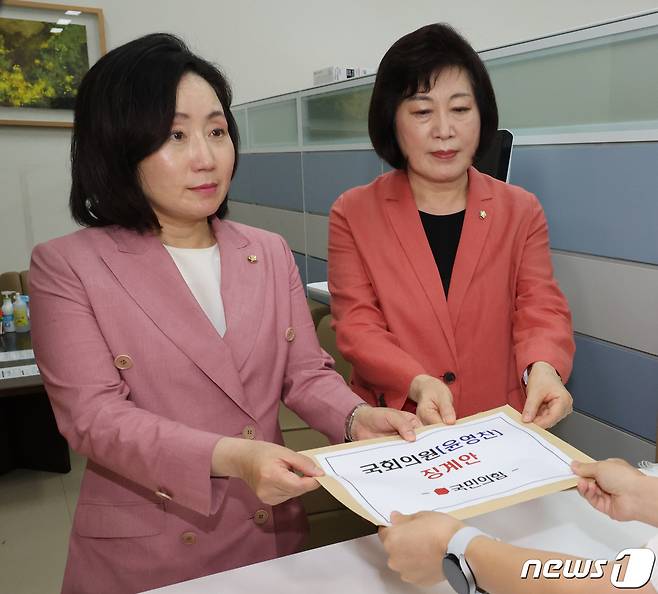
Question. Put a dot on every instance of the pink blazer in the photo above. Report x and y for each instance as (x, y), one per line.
(141, 383)
(504, 309)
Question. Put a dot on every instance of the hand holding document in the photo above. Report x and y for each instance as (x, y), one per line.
(484, 462)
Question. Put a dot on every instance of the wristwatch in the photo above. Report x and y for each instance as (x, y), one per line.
(455, 567)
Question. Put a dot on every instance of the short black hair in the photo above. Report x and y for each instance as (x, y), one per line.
(411, 65)
(124, 109)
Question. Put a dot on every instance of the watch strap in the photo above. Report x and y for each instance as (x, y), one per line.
(457, 548)
(462, 538)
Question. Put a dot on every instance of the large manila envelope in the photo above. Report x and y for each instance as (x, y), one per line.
(484, 462)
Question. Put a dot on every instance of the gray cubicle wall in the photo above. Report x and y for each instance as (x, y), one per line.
(598, 186)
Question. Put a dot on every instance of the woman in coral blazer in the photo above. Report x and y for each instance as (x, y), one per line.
(414, 343)
(170, 386)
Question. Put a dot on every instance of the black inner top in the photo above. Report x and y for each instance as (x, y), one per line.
(443, 233)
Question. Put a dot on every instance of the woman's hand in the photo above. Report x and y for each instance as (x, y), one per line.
(416, 545)
(548, 401)
(433, 400)
(271, 471)
(371, 422)
(618, 490)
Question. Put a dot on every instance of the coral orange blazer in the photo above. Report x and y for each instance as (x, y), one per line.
(504, 308)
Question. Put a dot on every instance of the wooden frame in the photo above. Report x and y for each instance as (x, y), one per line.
(93, 21)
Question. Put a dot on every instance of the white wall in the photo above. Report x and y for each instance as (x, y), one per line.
(267, 48)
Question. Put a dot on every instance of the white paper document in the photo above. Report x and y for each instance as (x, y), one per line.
(16, 355)
(20, 371)
(447, 468)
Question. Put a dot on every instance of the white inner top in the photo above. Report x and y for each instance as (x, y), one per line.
(201, 269)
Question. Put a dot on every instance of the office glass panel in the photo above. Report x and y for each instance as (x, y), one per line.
(241, 120)
(273, 125)
(337, 117)
(607, 83)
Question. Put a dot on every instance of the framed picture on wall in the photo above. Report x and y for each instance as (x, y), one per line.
(45, 50)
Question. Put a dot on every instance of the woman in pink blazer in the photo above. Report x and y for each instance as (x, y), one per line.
(169, 385)
(440, 277)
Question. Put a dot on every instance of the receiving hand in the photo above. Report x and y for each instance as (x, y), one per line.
(416, 545)
(270, 470)
(613, 487)
(548, 401)
(433, 400)
(379, 422)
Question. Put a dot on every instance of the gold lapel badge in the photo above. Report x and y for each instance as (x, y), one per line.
(252, 258)
(483, 214)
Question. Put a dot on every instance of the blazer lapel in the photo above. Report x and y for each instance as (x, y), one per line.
(404, 219)
(243, 280)
(477, 222)
(149, 275)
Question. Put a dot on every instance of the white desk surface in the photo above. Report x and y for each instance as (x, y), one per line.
(561, 522)
(319, 291)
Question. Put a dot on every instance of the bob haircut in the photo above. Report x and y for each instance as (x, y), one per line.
(411, 65)
(123, 113)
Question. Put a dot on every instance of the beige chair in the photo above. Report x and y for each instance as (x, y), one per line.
(318, 310)
(327, 338)
(15, 281)
(10, 281)
(329, 520)
(25, 282)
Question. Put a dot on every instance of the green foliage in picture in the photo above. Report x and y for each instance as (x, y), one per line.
(39, 68)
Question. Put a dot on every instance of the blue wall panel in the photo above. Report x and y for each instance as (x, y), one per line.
(327, 174)
(616, 385)
(269, 179)
(599, 198)
(317, 270)
(300, 260)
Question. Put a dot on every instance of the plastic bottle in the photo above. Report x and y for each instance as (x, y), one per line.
(21, 321)
(7, 313)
